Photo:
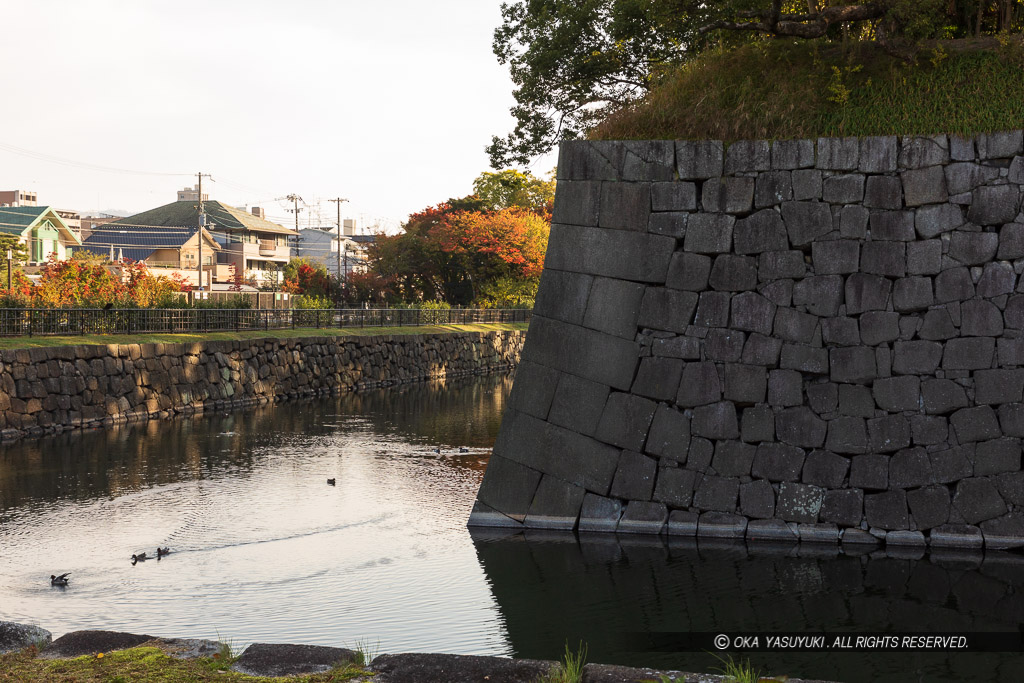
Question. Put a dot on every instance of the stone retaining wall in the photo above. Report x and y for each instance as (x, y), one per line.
(51, 389)
(813, 339)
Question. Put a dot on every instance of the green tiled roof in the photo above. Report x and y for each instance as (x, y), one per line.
(14, 219)
(186, 214)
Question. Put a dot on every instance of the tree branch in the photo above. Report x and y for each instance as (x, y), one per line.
(798, 25)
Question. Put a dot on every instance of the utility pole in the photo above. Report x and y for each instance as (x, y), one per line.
(341, 273)
(10, 268)
(294, 198)
(202, 224)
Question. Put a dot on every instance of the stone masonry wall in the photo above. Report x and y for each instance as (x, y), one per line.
(51, 389)
(808, 339)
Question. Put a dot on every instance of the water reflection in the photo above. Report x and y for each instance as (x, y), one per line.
(553, 588)
(264, 549)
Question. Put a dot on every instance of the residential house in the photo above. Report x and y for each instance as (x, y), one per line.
(256, 247)
(41, 229)
(323, 246)
(168, 249)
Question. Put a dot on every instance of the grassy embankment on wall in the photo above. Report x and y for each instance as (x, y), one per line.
(784, 89)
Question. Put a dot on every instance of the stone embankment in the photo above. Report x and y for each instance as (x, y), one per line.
(264, 659)
(51, 389)
(813, 339)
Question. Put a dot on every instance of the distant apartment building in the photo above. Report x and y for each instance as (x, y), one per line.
(17, 198)
(322, 245)
(191, 194)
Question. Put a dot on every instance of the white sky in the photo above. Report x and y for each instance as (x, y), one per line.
(388, 103)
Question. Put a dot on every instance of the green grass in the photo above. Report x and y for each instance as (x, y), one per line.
(140, 665)
(570, 669)
(166, 338)
(783, 89)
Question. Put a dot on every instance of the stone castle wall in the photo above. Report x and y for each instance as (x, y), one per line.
(808, 339)
(50, 389)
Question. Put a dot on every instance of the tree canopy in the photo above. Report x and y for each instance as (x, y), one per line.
(574, 62)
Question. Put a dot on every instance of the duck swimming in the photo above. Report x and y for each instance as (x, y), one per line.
(139, 558)
(61, 580)
(160, 552)
(331, 482)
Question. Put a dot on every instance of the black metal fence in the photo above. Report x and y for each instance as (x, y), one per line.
(16, 322)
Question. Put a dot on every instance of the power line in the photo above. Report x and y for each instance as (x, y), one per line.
(80, 164)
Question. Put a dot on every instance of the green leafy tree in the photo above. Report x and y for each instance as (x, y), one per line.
(508, 188)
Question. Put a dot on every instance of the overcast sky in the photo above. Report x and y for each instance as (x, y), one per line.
(389, 104)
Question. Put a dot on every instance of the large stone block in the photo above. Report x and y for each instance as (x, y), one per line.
(614, 307)
(878, 327)
(785, 388)
(658, 378)
(533, 389)
(792, 325)
(870, 471)
(975, 424)
(625, 206)
(895, 226)
(715, 421)
(883, 192)
(852, 364)
(952, 464)
(971, 353)
(757, 499)
(669, 436)
(626, 420)
(759, 349)
(578, 403)
(761, 231)
(912, 294)
(993, 387)
(709, 233)
(806, 184)
(847, 434)
(942, 396)
(853, 222)
(675, 486)
(878, 154)
(884, 258)
(620, 254)
(929, 506)
(954, 284)
(838, 154)
(799, 502)
(773, 188)
(888, 433)
(586, 353)
(931, 221)
(634, 477)
(508, 487)
(599, 513)
(1011, 487)
(804, 358)
(792, 154)
(865, 292)
(716, 493)
(973, 248)
(712, 310)
(751, 312)
(563, 296)
(842, 331)
(643, 517)
(633, 160)
(744, 156)
(700, 385)
(667, 309)
(733, 458)
(825, 469)
(673, 196)
(897, 394)
(775, 265)
(922, 151)
(745, 383)
(997, 279)
(778, 462)
(688, 271)
(997, 456)
(887, 510)
(1011, 419)
(924, 186)
(733, 273)
(728, 195)
(806, 221)
(910, 468)
(1004, 533)
(843, 189)
(999, 145)
(758, 424)
(668, 223)
(835, 257)
(821, 295)
(799, 426)
(978, 500)
(994, 204)
(577, 202)
(556, 505)
(845, 508)
(699, 160)
(928, 430)
(916, 357)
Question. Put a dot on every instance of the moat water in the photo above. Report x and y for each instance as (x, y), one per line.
(264, 550)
